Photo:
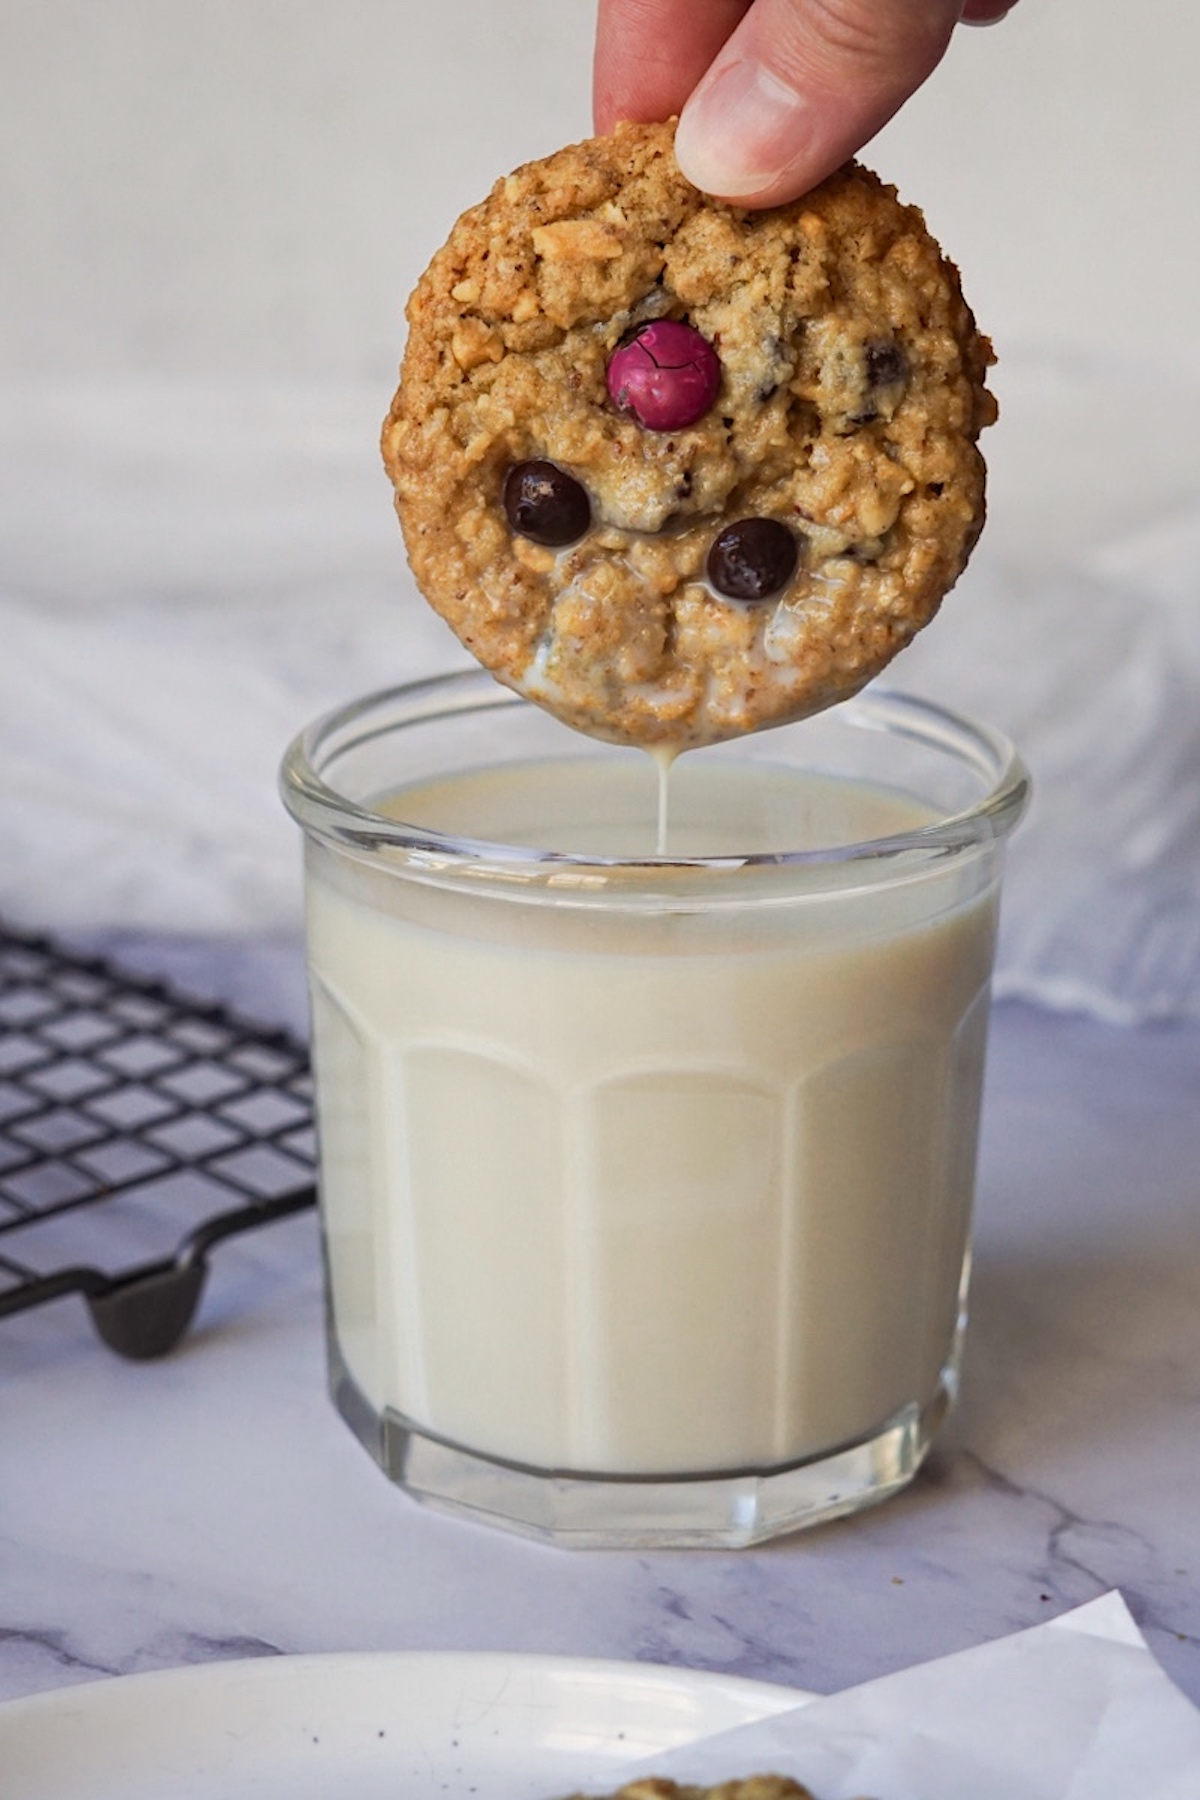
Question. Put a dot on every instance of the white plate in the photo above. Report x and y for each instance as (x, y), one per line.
(407, 1725)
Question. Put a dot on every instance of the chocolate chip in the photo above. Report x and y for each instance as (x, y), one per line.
(886, 364)
(753, 559)
(545, 504)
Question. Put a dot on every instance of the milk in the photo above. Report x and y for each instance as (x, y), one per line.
(648, 1173)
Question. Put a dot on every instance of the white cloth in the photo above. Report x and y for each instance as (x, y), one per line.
(1076, 629)
(189, 574)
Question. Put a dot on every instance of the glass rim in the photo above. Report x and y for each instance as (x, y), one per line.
(320, 809)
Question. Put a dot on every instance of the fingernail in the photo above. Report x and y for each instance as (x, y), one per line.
(738, 132)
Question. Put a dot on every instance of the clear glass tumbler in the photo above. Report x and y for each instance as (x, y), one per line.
(646, 1165)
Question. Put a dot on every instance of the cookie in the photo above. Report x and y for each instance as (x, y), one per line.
(676, 470)
(751, 1787)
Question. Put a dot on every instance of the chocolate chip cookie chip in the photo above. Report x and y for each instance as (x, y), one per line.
(676, 470)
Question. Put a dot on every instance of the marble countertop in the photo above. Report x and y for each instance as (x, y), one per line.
(212, 1505)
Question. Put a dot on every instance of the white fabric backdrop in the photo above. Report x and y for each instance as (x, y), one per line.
(211, 217)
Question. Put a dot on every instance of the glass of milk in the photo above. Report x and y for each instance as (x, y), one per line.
(647, 1144)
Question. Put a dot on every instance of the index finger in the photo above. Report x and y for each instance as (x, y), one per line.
(651, 53)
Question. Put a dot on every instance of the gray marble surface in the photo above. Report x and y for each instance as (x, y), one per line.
(212, 1504)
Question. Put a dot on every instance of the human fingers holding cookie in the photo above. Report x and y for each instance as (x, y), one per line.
(772, 94)
(685, 443)
(678, 470)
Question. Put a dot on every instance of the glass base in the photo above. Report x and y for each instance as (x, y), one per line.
(598, 1512)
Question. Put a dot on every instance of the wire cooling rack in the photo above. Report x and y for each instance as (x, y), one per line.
(138, 1129)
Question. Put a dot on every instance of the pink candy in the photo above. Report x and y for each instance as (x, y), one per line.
(666, 377)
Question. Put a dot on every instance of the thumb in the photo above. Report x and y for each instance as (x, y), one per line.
(800, 86)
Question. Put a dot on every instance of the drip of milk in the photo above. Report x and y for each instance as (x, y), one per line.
(664, 760)
(648, 1189)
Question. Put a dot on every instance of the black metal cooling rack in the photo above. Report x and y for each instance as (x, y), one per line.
(138, 1129)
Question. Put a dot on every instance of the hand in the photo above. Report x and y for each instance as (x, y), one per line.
(772, 94)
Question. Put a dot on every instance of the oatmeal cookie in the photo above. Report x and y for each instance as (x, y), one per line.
(677, 470)
(752, 1787)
